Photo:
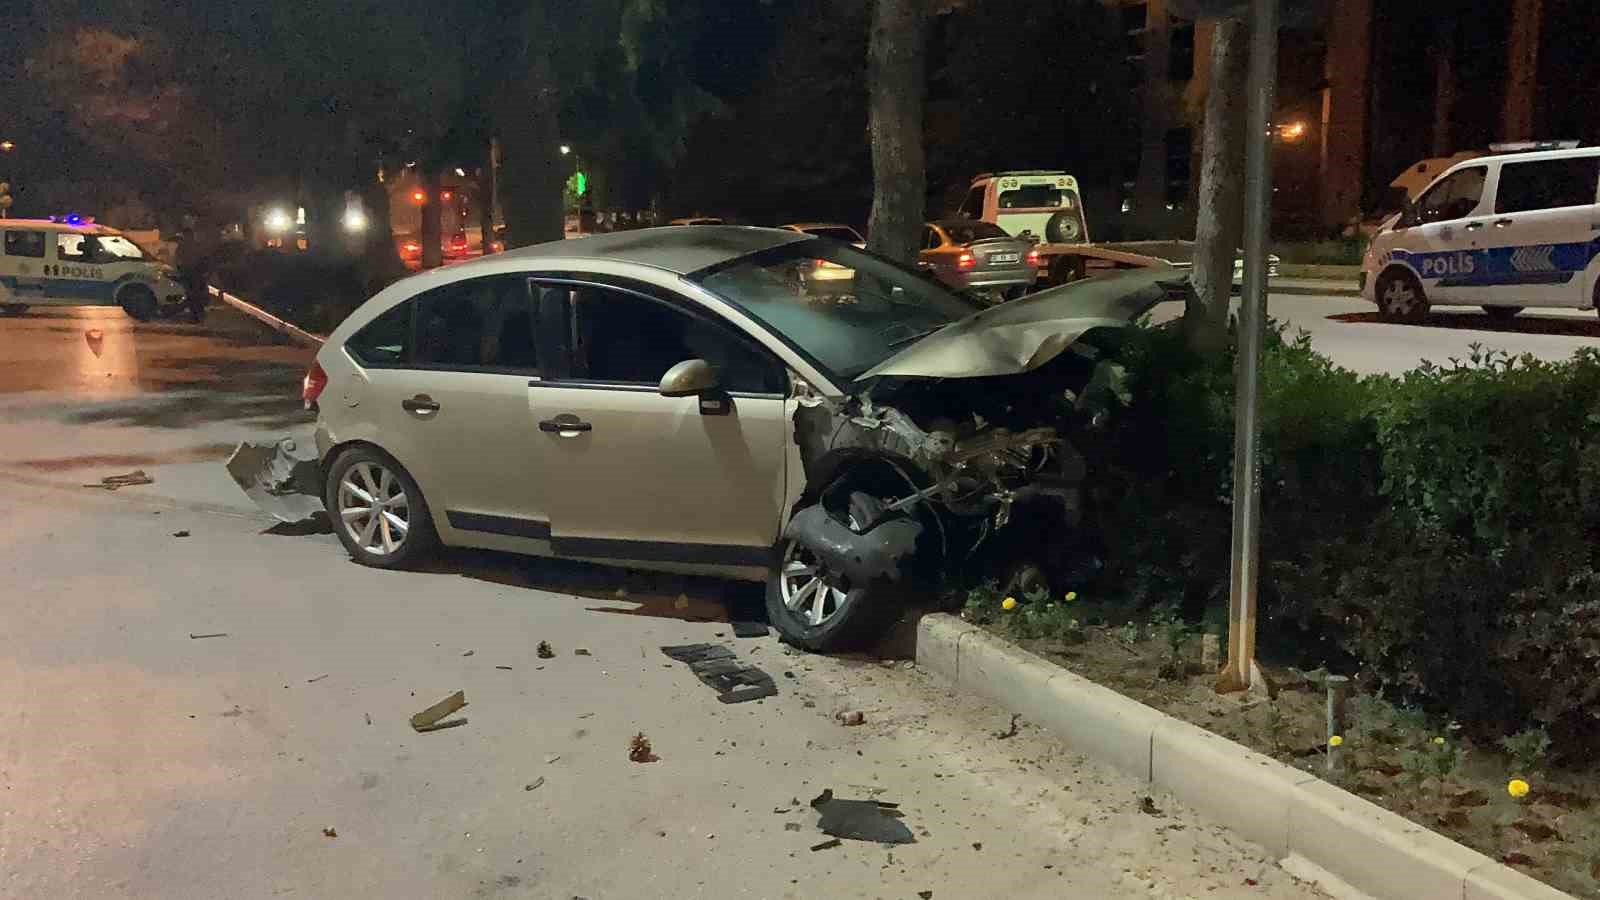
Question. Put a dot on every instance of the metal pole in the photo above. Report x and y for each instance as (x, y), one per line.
(1238, 675)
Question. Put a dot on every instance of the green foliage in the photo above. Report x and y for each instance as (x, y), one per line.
(1438, 758)
(1434, 530)
(1527, 748)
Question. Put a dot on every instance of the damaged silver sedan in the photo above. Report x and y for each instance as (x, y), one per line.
(689, 400)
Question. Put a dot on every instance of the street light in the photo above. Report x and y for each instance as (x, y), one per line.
(1292, 131)
(565, 149)
(277, 220)
(7, 146)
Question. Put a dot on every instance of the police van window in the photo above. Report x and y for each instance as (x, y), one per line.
(1453, 198)
(74, 247)
(1547, 184)
(115, 247)
(25, 243)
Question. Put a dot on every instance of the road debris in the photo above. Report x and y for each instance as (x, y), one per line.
(791, 826)
(861, 820)
(552, 758)
(503, 668)
(1148, 807)
(925, 895)
(639, 749)
(112, 482)
(329, 832)
(285, 484)
(682, 602)
(851, 717)
(535, 784)
(428, 719)
(827, 845)
(316, 679)
(197, 637)
(1009, 732)
(581, 652)
(180, 534)
(720, 669)
(369, 718)
(469, 653)
(545, 651)
(749, 629)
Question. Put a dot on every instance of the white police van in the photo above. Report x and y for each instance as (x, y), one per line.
(49, 263)
(1504, 231)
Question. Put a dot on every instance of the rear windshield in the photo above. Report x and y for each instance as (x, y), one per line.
(1036, 196)
(838, 233)
(967, 232)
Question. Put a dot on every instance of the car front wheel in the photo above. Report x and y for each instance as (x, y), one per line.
(818, 610)
(1400, 297)
(377, 510)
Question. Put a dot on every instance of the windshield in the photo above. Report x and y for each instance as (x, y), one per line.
(846, 324)
(836, 232)
(967, 232)
(115, 246)
(1036, 196)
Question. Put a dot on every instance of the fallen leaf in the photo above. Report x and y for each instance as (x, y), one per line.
(329, 832)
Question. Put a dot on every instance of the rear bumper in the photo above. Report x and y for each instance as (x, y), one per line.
(989, 278)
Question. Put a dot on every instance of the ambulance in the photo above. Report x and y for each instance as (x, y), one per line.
(44, 262)
(1513, 229)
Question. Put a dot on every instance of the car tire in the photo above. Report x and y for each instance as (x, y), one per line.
(849, 619)
(139, 302)
(13, 309)
(1503, 313)
(1063, 228)
(1400, 297)
(360, 475)
(1066, 269)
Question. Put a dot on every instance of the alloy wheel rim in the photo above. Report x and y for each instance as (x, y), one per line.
(374, 509)
(1399, 297)
(805, 590)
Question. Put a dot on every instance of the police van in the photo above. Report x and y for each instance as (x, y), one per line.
(74, 263)
(1504, 231)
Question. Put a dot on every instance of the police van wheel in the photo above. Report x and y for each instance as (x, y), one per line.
(1502, 313)
(139, 303)
(1400, 297)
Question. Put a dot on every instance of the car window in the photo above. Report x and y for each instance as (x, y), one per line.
(115, 247)
(865, 311)
(74, 247)
(480, 323)
(972, 207)
(622, 338)
(1453, 198)
(1036, 196)
(930, 239)
(967, 232)
(1547, 184)
(25, 243)
(386, 340)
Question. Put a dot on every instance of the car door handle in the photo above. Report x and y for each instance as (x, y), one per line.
(1502, 223)
(1474, 226)
(566, 425)
(420, 405)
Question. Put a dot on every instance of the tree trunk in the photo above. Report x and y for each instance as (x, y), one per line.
(382, 261)
(896, 86)
(532, 174)
(486, 195)
(1220, 221)
(432, 230)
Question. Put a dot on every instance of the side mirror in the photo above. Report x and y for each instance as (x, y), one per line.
(690, 378)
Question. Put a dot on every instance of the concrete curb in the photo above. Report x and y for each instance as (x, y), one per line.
(268, 319)
(1283, 809)
(1334, 289)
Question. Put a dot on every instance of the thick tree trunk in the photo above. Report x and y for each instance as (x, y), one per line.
(1220, 221)
(382, 259)
(896, 85)
(486, 195)
(432, 230)
(532, 173)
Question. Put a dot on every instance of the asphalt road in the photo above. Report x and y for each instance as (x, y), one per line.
(276, 759)
(1348, 331)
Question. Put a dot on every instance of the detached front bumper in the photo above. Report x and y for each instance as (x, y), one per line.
(285, 484)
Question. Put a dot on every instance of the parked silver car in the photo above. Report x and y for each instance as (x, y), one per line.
(971, 255)
(680, 399)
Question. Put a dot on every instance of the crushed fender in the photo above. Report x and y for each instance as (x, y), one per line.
(285, 484)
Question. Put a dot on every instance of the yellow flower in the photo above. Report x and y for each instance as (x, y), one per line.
(1335, 741)
(1008, 603)
(1517, 787)
(1071, 596)
(1439, 741)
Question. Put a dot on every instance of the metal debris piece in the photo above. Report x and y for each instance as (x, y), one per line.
(545, 651)
(861, 820)
(720, 669)
(278, 479)
(196, 637)
(826, 845)
(639, 749)
(581, 652)
(428, 719)
(316, 679)
(184, 533)
(749, 629)
(112, 482)
(469, 653)
(535, 784)
(329, 832)
(851, 717)
(504, 668)
(1009, 732)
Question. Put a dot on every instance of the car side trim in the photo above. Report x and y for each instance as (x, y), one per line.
(634, 388)
(536, 529)
(663, 551)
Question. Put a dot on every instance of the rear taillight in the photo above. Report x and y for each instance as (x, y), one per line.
(311, 387)
(965, 261)
(1033, 257)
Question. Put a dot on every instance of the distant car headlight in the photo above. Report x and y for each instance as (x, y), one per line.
(355, 220)
(277, 220)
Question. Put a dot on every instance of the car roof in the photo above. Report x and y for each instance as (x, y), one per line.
(673, 249)
(1532, 155)
(806, 226)
(47, 225)
(987, 175)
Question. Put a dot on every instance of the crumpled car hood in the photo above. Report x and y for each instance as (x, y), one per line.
(1023, 335)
